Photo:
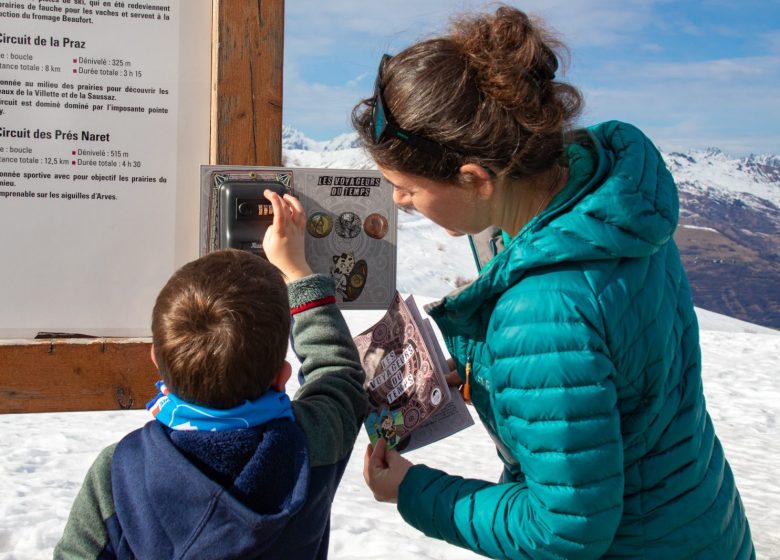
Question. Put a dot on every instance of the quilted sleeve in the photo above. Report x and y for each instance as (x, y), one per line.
(556, 411)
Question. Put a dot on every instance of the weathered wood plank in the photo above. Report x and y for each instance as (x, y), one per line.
(248, 60)
(63, 375)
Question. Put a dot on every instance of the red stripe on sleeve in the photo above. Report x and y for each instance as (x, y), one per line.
(311, 304)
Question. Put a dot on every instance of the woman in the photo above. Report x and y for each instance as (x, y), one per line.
(578, 341)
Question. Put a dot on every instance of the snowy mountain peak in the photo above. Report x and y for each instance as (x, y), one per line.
(342, 152)
(724, 176)
(764, 159)
(293, 139)
(713, 152)
(342, 142)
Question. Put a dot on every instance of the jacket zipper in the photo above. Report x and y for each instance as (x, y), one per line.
(466, 388)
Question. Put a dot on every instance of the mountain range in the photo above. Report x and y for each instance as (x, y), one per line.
(728, 235)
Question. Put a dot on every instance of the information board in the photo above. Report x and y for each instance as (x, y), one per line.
(104, 121)
(351, 223)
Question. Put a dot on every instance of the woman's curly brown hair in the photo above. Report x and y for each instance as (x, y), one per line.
(487, 92)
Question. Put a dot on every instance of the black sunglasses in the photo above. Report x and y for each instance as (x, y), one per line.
(383, 127)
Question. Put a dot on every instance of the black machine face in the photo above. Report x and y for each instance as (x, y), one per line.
(245, 214)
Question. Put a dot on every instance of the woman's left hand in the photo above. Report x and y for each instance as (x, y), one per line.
(384, 470)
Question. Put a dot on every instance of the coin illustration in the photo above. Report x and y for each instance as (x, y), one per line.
(348, 225)
(319, 224)
(356, 280)
(376, 226)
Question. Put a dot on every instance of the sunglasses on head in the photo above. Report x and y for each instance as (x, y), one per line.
(383, 127)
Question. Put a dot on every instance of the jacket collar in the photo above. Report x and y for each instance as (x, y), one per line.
(620, 202)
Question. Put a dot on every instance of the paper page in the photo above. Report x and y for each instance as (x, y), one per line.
(403, 387)
(401, 356)
(105, 115)
(451, 418)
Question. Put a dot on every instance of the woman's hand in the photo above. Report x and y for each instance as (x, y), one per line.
(453, 377)
(384, 470)
(283, 241)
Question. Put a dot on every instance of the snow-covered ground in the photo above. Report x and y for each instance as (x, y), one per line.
(45, 456)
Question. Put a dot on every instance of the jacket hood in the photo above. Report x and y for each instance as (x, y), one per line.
(620, 202)
(169, 508)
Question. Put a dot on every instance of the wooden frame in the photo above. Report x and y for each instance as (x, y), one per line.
(107, 373)
(65, 375)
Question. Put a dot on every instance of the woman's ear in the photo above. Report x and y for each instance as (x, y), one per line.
(479, 178)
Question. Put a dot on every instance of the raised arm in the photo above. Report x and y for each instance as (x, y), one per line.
(331, 403)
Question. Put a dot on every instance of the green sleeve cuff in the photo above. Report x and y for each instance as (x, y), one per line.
(310, 289)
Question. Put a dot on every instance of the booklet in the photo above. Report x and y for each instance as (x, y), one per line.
(351, 223)
(410, 404)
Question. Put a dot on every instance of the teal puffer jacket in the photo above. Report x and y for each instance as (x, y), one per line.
(586, 370)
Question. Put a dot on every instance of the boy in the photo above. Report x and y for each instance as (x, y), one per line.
(230, 468)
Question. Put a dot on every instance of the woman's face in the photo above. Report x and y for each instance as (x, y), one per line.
(456, 208)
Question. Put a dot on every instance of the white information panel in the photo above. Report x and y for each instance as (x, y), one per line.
(104, 121)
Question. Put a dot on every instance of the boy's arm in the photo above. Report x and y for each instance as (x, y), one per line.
(331, 403)
(85, 534)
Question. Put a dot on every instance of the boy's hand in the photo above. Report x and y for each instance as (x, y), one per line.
(283, 241)
(384, 471)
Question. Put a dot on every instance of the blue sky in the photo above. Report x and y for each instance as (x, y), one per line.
(692, 74)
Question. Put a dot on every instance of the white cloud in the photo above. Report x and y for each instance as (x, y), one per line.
(357, 80)
(316, 27)
(651, 48)
(738, 118)
(351, 35)
(727, 101)
(318, 109)
(595, 23)
(719, 70)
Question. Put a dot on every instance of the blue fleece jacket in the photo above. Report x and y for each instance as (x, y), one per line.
(264, 492)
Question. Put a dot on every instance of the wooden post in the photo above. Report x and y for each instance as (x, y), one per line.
(248, 58)
(105, 374)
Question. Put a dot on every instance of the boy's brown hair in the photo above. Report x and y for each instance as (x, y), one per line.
(220, 328)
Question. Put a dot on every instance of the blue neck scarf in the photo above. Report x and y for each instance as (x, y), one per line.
(179, 414)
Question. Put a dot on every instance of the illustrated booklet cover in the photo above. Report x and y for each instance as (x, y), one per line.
(351, 223)
(410, 402)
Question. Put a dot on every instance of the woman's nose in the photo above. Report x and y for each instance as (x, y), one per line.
(401, 198)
